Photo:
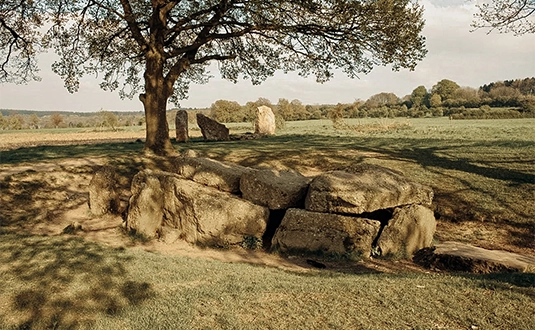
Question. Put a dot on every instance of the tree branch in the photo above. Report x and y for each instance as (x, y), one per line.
(133, 26)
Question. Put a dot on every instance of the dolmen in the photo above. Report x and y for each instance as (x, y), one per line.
(362, 211)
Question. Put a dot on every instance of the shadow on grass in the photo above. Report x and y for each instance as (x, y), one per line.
(63, 282)
(54, 153)
(523, 283)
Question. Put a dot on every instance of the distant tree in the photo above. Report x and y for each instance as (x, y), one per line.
(437, 112)
(108, 119)
(504, 96)
(3, 122)
(56, 119)
(226, 111)
(506, 16)
(284, 109)
(336, 115)
(313, 111)
(464, 96)
(527, 103)
(435, 101)
(15, 122)
(445, 89)
(418, 96)
(382, 99)
(34, 121)
(298, 109)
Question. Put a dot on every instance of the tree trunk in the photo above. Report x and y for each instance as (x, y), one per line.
(155, 104)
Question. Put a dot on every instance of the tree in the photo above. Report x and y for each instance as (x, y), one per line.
(3, 122)
(20, 24)
(464, 96)
(34, 121)
(284, 109)
(298, 110)
(382, 99)
(336, 115)
(504, 96)
(109, 119)
(159, 47)
(15, 122)
(445, 89)
(506, 16)
(56, 119)
(225, 111)
(435, 101)
(418, 96)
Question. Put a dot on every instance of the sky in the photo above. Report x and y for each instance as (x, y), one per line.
(454, 52)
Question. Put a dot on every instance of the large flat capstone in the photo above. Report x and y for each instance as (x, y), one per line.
(364, 188)
(221, 175)
(274, 189)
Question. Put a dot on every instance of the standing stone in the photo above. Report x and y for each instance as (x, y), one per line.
(103, 194)
(212, 130)
(181, 124)
(265, 121)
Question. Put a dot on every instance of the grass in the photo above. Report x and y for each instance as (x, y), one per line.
(65, 282)
(482, 172)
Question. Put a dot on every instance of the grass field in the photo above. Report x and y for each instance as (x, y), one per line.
(482, 172)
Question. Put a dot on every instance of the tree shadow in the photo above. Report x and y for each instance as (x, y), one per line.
(69, 150)
(63, 282)
(523, 283)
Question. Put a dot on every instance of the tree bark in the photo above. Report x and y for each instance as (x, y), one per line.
(155, 103)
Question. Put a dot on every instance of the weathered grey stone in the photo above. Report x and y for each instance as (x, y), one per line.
(274, 189)
(305, 231)
(165, 204)
(455, 256)
(264, 121)
(145, 212)
(221, 175)
(103, 193)
(410, 229)
(364, 188)
(212, 130)
(181, 126)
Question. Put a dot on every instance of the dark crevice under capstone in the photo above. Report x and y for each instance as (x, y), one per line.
(383, 216)
(275, 219)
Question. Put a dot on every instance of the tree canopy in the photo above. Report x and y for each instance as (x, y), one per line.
(20, 39)
(158, 47)
(516, 16)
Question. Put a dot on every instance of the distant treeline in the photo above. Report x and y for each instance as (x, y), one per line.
(508, 99)
(502, 99)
